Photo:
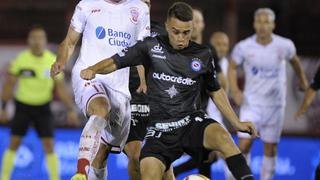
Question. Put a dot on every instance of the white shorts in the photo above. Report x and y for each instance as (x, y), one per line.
(213, 112)
(267, 120)
(117, 130)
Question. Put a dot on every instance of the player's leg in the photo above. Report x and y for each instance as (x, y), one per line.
(43, 123)
(158, 153)
(169, 175)
(52, 160)
(138, 129)
(92, 99)
(133, 149)
(217, 138)
(317, 173)
(270, 135)
(9, 157)
(19, 127)
(185, 166)
(98, 169)
(269, 161)
(152, 168)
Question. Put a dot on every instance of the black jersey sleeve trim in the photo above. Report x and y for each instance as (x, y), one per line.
(116, 61)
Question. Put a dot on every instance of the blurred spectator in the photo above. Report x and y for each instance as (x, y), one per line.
(30, 72)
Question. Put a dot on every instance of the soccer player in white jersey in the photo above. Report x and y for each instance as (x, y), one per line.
(263, 57)
(220, 41)
(107, 26)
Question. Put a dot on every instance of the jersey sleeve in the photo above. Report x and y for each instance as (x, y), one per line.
(132, 56)
(290, 50)
(210, 78)
(237, 54)
(14, 67)
(315, 84)
(79, 18)
(215, 60)
(144, 25)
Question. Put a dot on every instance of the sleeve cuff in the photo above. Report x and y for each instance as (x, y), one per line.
(116, 61)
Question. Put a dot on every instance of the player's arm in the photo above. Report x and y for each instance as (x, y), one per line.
(7, 94)
(219, 97)
(66, 99)
(235, 91)
(142, 76)
(105, 66)
(65, 50)
(223, 81)
(309, 95)
(133, 56)
(296, 64)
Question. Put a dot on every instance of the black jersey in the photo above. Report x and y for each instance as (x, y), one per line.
(134, 80)
(175, 77)
(316, 81)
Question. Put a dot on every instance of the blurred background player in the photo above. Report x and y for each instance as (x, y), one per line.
(220, 42)
(263, 56)
(308, 97)
(140, 110)
(30, 73)
(105, 99)
(196, 36)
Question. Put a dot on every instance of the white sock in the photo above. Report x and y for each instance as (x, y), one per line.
(97, 174)
(248, 158)
(90, 139)
(268, 167)
(227, 172)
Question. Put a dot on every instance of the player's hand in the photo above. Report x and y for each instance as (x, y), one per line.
(142, 88)
(299, 113)
(247, 127)
(237, 96)
(87, 74)
(72, 119)
(4, 118)
(56, 68)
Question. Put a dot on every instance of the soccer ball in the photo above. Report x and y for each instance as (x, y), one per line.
(196, 177)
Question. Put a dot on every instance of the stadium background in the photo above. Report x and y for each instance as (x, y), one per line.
(299, 150)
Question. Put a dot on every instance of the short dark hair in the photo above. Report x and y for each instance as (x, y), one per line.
(36, 27)
(181, 11)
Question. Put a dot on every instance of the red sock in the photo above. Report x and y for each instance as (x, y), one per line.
(81, 166)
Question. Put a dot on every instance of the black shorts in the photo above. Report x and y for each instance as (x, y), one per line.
(39, 116)
(168, 144)
(139, 121)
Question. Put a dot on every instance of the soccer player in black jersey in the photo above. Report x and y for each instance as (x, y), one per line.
(140, 111)
(196, 36)
(176, 68)
(308, 97)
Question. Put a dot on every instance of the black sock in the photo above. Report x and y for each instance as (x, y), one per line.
(239, 168)
(318, 172)
(205, 169)
(186, 166)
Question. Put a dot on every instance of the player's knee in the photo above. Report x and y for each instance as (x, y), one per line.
(14, 143)
(270, 149)
(149, 171)
(245, 145)
(99, 107)
(48, 146)
(216, 136)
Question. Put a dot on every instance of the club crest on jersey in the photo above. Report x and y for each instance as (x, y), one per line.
(196, 64)
(134, 15)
